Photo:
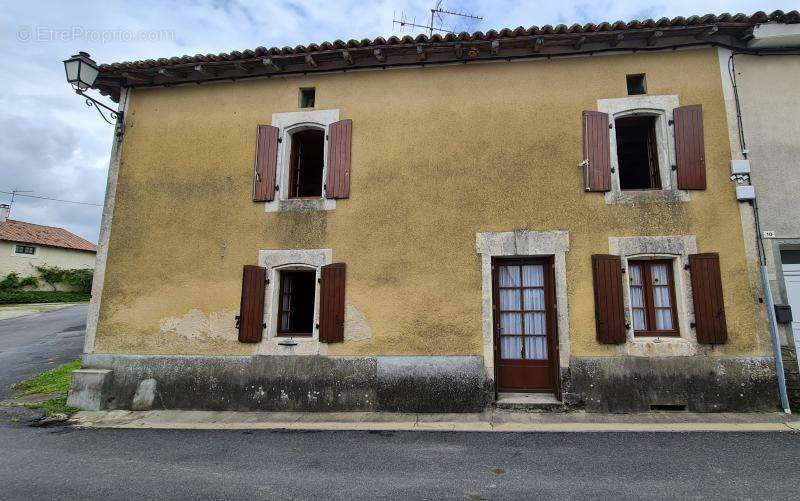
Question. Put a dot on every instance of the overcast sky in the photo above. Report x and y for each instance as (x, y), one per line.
(52, 144)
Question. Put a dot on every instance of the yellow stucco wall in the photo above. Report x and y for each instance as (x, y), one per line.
(438, 154)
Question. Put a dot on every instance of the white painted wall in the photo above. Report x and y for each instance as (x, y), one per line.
(52, 256)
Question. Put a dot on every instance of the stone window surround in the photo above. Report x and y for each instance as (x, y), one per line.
(525, 243)
(287, 124)
(662, 107)
(677, 248)
(275, 261)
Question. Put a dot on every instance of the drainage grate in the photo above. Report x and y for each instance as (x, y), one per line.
(668, 407)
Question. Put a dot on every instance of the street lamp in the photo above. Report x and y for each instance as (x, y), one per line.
(81, 73)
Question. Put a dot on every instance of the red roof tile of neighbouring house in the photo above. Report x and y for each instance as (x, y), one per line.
(50, 236)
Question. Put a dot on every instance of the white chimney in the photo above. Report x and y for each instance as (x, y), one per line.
(5, 211)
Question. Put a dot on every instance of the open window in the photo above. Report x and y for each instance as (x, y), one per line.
(637, 153)
(306, 163)
(296, 303)
(652, 291)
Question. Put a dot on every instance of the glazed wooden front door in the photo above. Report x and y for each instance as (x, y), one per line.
(525, 349)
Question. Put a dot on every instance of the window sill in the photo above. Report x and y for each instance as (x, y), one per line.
(658, 346)
(300, 205)
(637, 197)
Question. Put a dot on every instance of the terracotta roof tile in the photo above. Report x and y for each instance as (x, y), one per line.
(554, 40)
(50, 236)
(758, 17)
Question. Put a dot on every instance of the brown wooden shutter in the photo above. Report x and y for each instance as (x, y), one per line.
(266, 164)
(331, 307)
(609, 312)
(339, 145)
(251, 310)
(689, 147)
(709, 308)
(596, 152)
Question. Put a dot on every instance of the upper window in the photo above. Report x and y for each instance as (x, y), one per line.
(637, 84)
(307, 97)
(653, 298)
(296, 303)
(306, 163)
(637, 153)
(25, 249)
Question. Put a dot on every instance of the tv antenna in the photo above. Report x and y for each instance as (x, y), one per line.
(437, 13)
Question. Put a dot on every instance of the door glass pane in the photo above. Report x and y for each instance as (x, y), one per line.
(509, 276)
(509, 299)
(510, 347)
(536, 347)
(534, 323)
(533, 275)
(510, 323)
(534, 299)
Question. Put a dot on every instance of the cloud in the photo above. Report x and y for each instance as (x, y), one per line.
(53, 144)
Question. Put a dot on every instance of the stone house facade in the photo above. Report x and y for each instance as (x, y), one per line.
(431, 224)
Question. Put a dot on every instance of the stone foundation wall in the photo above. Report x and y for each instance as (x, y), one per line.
(414, 384)
(700, 384)
(310, 383)
(792, 374)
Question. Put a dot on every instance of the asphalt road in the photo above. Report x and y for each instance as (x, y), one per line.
(65, 463)
(68, 463)
(36, 343)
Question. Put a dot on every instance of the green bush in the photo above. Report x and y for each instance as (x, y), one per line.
(12, 282)
(25, 297)
(77, 277)
(81, 278)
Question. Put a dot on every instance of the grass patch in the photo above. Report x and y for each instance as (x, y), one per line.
(56, 405)
(52, 381)
(28, 297)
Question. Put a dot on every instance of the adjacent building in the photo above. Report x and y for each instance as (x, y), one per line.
(763, 105)
(24, 246)
(432, 224)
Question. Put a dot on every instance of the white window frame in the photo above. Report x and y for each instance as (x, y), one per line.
(288, 124)
(276, 261)
(22, 254)
(661, 107)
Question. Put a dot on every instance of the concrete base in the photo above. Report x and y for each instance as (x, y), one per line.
(696, 384)
(286, 383)
(528, 402)
(415, 384)
(90, 389)
(494, 420)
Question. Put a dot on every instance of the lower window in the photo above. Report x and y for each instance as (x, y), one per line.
(296, 305)
(653, 298)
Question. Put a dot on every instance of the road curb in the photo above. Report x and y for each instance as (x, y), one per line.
(189, 420)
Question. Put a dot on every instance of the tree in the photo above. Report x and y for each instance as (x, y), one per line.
(52, 275)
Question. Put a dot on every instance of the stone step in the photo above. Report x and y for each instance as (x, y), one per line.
(528, 402)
